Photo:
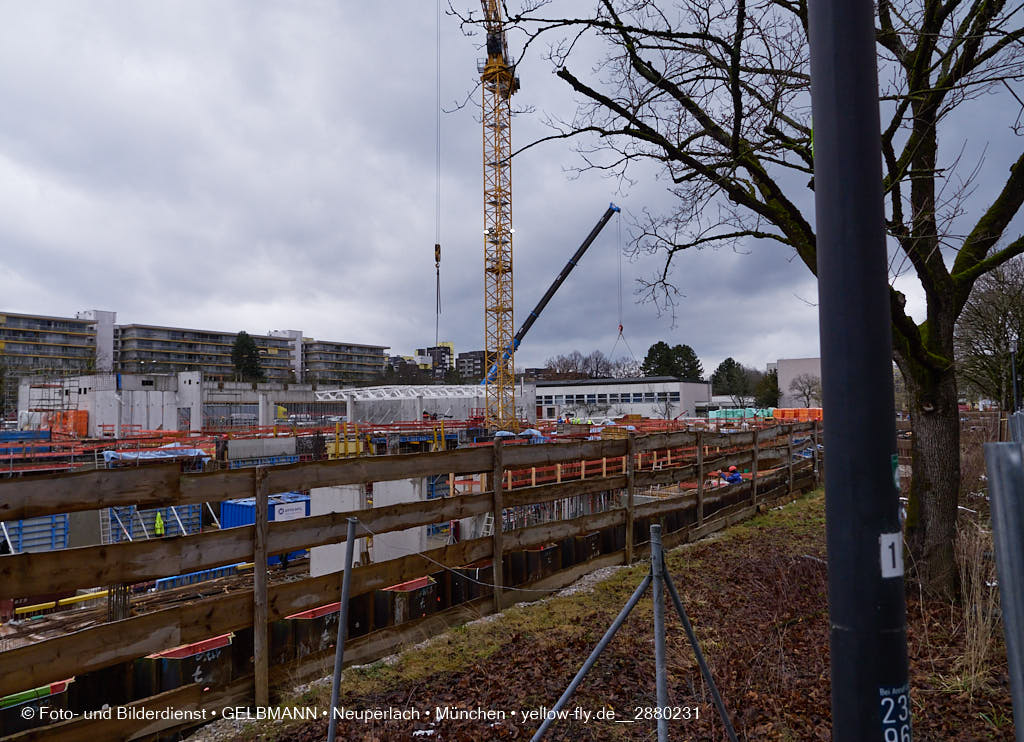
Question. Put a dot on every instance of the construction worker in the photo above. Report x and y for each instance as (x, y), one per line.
(158, 524)
(732, 477)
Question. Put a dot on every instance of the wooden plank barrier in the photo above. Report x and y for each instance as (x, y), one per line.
(614, 467)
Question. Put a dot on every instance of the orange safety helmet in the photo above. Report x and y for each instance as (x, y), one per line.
(732, 468)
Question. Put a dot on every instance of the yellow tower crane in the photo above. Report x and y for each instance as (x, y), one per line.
(499, 82)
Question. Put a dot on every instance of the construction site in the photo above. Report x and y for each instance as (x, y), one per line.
(199, 538)
(179, 541)
(207, 534)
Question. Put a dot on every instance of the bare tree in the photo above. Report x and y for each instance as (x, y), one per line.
(992, 320)
(807, 387)
(567, 366)
(664, 409)
(597, 365)
(626, 368)
(715, 93)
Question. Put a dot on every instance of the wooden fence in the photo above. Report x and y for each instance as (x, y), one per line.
(623, 466)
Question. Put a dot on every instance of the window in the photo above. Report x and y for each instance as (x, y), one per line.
(602, 399)
(638, 398)
(591, 399)
(673, 396)
(648, 396)
(662, 396)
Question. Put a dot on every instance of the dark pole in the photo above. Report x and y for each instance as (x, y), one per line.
(867, 611)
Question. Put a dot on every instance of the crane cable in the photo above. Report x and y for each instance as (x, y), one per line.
(437, 182)
(618, 250)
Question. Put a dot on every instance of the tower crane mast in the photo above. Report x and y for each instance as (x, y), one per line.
(498, 83)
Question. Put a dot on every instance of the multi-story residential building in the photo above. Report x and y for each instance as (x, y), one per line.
(91, 342)
(441, 358)
(52, 346)
(470, 364)
(329, 363)
(155, 349)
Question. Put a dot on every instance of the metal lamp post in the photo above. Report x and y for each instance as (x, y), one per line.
(1013, 374)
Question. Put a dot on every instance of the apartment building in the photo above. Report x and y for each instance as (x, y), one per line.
(330, 363)
(164, 350)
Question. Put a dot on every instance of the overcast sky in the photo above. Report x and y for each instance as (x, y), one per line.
(254, 165)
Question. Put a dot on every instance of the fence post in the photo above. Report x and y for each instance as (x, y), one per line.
(789, 455)
(814, 451)
(630, 471)
(700, 478)
(259, 587)
(497, 508)
(753, 478)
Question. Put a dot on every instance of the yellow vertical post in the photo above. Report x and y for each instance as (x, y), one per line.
(337, 447)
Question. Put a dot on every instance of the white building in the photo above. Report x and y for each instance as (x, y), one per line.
(789, 369)
(656, 396)
(118, 403)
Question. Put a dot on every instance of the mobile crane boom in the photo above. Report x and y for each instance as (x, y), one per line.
(556, 284)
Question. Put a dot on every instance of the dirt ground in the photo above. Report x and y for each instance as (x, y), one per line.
(757, 598)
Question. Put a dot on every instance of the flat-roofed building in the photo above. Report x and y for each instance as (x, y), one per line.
(164, 350)
(331, 363)
(652, 396)
(48, 346)
(470, 364)
(809, 372)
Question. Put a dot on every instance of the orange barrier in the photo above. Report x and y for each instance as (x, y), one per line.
(798, 414)
(72, 422)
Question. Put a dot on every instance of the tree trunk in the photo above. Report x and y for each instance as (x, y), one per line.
(934, 488)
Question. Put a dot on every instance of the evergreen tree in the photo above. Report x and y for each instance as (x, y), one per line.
(679, 361)
(246, 358)
(733, 379)
(766, 392)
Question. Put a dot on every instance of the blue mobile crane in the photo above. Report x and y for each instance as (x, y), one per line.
(559, 280)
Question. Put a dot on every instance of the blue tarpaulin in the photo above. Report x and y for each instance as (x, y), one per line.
(175, 452)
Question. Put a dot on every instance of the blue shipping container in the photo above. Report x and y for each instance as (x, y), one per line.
(285, 506)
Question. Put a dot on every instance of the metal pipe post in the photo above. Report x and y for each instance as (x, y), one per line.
(660, 677)
(1005, 465)
(867, 609)
(1013, 373)
(339, 649)
(1016, 426)
(608, 635)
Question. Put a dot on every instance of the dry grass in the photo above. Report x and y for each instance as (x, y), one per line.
(979, 607)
